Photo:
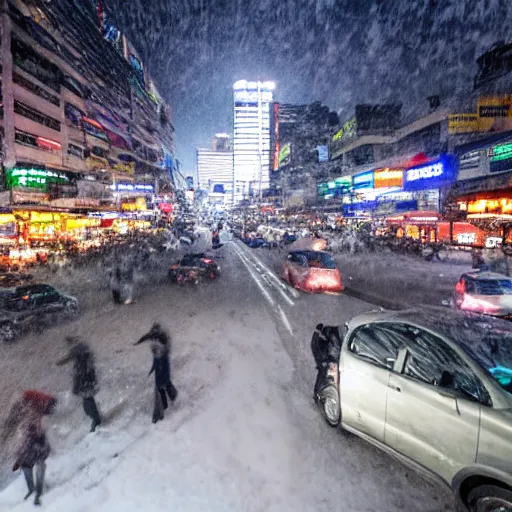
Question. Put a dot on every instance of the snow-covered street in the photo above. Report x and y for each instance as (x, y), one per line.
(244, 433)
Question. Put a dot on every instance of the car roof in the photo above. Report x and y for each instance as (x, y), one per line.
(308, 252)
(461, 327)
(487, 275)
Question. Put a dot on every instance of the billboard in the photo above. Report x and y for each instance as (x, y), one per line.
(346, 132)
(430, 176)
(463, 123)
(388, 178)
(363, 180)
(323, 153)
(378, 118)
(276, 148)
(285, 154)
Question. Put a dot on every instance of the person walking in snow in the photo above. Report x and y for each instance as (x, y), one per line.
(25, 416)
(160, 348)
(85, 383)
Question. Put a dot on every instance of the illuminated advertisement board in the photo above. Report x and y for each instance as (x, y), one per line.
(323, 153)
(347, 131)
(131, 187)
(363, 180)
(500, 157)
(34, 178)
(275, 165)
(335, 187)
(388, 178)
(430, 176)
(285, 155)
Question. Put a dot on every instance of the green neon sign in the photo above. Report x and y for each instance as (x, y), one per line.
(501, 152)
(34, 178)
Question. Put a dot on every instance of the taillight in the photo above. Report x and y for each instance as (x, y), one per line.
(460, 288)
(25, 297)
(174, 267)
(207, 261)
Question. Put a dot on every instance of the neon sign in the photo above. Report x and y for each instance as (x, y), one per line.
(128, 187)
(501, 152)
(426, 172)
(363, 180)
(431, 176)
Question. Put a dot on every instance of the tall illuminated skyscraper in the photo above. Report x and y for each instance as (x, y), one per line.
(251, 140)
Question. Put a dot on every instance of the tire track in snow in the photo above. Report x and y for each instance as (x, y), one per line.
(276, 308)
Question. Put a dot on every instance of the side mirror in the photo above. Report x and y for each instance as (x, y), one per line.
(390, 362)
(447, 303)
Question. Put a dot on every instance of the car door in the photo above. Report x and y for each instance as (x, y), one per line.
(367, 357)
(433, 406)
(298, 265)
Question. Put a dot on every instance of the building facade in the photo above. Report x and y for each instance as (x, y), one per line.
(82, 122)
(251, 142)
(215, 167)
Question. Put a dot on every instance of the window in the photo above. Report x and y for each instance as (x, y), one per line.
(36, 116)
(298, 258)
(378, 343)
(431, 361)
(36, 89)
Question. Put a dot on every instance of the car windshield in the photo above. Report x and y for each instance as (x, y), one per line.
(320, 260)
(492, 287)
(493, 353)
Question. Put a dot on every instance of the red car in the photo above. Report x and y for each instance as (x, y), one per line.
(312, 271)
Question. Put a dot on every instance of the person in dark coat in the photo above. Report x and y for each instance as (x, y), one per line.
(34, 449)
(160, 348)
(85, 383)
(326, 347)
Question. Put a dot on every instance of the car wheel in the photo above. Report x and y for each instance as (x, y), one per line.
(330, 406)
(7, 332)
(490, 498)
(71, 308)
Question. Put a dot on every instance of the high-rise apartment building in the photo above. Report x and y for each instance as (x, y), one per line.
(251, 142)
(80, 116)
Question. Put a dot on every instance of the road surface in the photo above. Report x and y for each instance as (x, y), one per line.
(243, 434)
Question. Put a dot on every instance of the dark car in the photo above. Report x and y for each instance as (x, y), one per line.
(32, 307)
(206, 265)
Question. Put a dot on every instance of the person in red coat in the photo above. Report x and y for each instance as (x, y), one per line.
(25, 417)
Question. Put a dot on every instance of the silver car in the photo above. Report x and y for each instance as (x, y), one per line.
(434, 389)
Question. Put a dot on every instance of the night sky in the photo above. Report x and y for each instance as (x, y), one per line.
(340, 52)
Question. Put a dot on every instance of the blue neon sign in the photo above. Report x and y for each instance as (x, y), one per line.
(363, 180)
(430, 176)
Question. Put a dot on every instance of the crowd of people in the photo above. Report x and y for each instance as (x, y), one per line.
(24, 426)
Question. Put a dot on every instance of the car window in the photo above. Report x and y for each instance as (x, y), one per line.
(320, 260)
(493, 287)
(470, 286)
(378, 344)
(431, 361)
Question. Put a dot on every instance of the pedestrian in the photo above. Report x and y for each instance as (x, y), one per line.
(126, 274)
(85, 383)
(160, 348)
(26, 416)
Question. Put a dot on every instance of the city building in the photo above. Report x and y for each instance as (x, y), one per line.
(83, 125)
(301, 152)
(215, 168)
(251, 142)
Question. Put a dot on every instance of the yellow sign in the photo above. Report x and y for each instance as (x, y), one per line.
(387, 178)
(463, 123)
(347, 131)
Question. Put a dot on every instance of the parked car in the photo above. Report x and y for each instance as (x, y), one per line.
(204, 263)
(31, 307)
(312, 271)
(434, 389)
(484, 292)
